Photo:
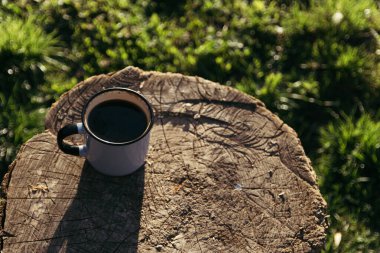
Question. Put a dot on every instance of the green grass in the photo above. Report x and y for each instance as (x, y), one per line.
(350, 152)
(315, 63)
(25, 51)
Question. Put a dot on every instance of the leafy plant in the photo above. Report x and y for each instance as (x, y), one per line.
(24, 59)
(351, 156)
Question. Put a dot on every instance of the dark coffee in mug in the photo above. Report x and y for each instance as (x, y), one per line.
(116, 125)
(117, 121)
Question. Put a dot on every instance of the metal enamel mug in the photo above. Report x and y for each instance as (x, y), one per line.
(108, 156)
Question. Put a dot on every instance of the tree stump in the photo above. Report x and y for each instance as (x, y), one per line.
(223, 174)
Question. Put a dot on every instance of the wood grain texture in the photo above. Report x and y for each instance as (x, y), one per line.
(223, 174)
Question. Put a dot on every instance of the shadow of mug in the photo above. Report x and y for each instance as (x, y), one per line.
(104, 216)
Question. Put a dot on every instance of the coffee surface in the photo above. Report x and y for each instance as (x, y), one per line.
(117, 121)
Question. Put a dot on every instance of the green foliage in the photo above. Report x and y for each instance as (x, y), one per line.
(355, 236)
(24, 56)
(309, 61)
(351, 156)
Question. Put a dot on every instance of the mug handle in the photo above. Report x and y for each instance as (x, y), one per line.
(67, 131)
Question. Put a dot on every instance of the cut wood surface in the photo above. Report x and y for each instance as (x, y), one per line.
(223, 174)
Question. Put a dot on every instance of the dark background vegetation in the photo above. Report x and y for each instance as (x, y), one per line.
(314, 63)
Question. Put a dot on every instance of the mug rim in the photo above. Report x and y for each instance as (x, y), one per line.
(146, 131)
